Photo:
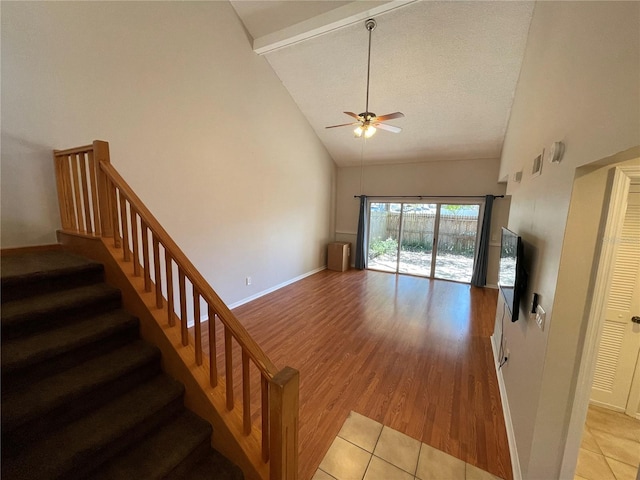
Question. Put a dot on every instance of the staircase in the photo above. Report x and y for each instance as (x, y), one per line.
(82, 395)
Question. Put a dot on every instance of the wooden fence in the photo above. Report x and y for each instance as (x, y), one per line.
(457, 233)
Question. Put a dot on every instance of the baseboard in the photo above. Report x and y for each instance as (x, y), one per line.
(277, 287)
(491, 285)
(513, 449)
(607, 406)
(205, 317)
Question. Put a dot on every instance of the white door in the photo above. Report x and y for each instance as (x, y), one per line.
(620, 343)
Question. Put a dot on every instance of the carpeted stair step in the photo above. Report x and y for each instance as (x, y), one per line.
(82, 395)
(41, 312)
(176, 446)
(214, 466)
(39, 408)
(25, 359)
(37, 273)
(80, 447)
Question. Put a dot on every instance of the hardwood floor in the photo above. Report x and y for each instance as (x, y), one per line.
(409, 352)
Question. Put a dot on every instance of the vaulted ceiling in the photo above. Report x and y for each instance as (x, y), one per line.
(450, 67)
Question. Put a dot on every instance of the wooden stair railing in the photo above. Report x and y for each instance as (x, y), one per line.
(95, 200)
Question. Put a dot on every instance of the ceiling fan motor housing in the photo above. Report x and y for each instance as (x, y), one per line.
(367, 116)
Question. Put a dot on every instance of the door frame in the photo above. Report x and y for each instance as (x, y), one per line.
(622, 179)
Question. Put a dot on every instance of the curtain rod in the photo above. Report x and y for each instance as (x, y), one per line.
(427, 196)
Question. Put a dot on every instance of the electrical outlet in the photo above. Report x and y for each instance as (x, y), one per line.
(248, 281)
(541, 315)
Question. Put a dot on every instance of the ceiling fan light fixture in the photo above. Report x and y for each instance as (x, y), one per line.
(367, 130)
(368, 133)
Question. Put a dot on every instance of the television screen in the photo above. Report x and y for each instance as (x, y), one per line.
(509, 282)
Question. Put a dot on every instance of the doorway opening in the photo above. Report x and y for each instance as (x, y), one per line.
(436, 240)
(613, 182)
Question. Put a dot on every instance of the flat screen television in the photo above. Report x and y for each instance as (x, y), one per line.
(512, 276)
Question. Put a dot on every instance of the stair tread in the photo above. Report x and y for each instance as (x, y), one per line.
(37, 398)
(24, 351)
(15, 311)
(36, 266)
(214, 466)
(159, 453)
(73, 444)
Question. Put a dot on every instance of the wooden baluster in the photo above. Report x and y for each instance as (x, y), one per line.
(146, 265)
(135, 241)
(124, 221)
(283, 424)
(85, 191)
(169, 273)
(93, 176)
(265, 418)
(101, 155)
(68, 181)
(77, 194)
(156, 269)
(63, 196)
(68, 185)
(246, 393)
(113, 201)
(228, 360)
(197, 325)
(213, 362)
(183, 308)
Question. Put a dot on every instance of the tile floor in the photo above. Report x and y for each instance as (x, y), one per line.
(366, 450)
(610, 448)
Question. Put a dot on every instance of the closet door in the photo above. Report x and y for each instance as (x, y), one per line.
(620, 343)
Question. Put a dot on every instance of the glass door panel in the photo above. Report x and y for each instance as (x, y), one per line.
(384, 223)
(456, 243)
(416, 246)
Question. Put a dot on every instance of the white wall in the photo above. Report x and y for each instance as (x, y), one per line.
(580, 83)
(198, 125)
(450, 177)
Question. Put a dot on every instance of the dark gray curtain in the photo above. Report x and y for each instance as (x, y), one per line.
(479, 277)
(361, 240)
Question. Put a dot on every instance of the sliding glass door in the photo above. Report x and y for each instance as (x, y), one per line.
(456, 242)
(416, 247)
(384, 222)
(427, 239)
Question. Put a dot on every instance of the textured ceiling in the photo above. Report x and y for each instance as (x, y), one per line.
(450, 67)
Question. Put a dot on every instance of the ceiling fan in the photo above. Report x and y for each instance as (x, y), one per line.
(367, 122)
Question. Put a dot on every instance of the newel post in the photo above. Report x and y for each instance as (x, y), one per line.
(101, 155)
(283, 422)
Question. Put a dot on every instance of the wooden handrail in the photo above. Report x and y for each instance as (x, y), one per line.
(95, 200)
(69, 151)
(191, 272)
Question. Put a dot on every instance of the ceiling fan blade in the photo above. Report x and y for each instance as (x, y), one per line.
(388, 128)
(389, 116)
(344, 125)
(351, 114)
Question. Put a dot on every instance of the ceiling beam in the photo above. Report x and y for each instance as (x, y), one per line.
(319, 25)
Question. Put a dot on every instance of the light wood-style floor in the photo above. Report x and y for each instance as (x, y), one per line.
(409, 352)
